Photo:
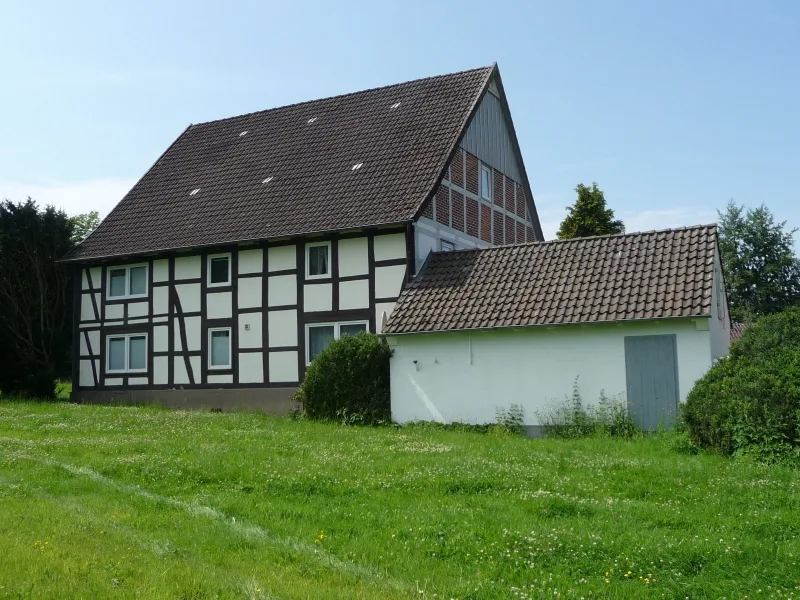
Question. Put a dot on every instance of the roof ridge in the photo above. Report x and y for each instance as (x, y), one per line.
(335, 96)
(582, 239)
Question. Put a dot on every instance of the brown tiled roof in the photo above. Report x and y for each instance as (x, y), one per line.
(650, 275)
(737, 329)
(400, 134)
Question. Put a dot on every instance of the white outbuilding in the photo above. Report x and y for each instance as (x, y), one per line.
(636, 316)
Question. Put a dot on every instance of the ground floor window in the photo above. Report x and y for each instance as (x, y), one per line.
(319, 335)
(126, 353)
(219, 348)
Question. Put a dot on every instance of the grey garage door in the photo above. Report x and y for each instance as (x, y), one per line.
(651, 368)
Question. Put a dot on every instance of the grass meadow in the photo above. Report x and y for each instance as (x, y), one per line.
(115, 502)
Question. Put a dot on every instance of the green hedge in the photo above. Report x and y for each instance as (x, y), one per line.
(749, 402)
(349, 381)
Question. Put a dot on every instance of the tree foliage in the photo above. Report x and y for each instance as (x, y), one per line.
(349, 381)
(589, 216)
(749, 401)
(83, 225)
(762, 273)
(35, 298)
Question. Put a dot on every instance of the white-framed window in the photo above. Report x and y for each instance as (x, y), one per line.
(126, 353)
(319, 335)
(318, 260)
(447, 246)
(486, 182)
(127, 282)
(219, 269)
(219, 348)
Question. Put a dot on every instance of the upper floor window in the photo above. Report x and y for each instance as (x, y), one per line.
(448, 246)
(127, 282)
(126, 353)
(318, 260)
(486, 183)
(219, 270)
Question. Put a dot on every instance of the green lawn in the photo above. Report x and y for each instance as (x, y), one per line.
(102, 502)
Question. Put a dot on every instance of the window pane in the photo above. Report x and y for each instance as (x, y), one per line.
(137, 352)
(318, 260)
(447, 246)
(116, 354)
(138, 280)
(318, 339)
(219, 270)
(117, 287)
(220, 348)
(351, 328)
(485, 184)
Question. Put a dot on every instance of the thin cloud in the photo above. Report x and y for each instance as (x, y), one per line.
(74, 197)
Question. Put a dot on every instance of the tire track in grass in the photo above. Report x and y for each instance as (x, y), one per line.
(244, 529)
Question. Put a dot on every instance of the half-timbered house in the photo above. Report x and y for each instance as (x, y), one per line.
(254, 240)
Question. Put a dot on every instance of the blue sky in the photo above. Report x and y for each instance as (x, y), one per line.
(672, 107)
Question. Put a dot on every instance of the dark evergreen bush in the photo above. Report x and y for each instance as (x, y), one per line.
(349, 381)
(749, 402)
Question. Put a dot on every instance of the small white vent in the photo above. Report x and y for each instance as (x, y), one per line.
(244, 133)
(395, 105)
(357, 166)
(194, 191)
(311, 120)
(268, 179)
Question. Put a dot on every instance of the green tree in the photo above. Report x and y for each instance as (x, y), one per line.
(762, 273)
(589, 216)
(83, 225)
(35, 298)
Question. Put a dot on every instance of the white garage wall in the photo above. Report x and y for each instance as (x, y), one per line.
(465, 376)
(719, 324)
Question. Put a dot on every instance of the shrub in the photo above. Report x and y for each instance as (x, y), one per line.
(571, 419)
(349, 381)
(511, 419)
(749, 401)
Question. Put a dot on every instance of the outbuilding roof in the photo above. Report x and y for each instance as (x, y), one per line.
(650, 275)
(364, 159)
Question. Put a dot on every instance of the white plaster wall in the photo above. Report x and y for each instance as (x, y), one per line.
(218, 305)
(251, 261)
(109, 381)
(161, 270)
(138, 381)
(85, 375)
(251, 367)
(94, 342)
(115, 311)
(719, 324)
(353, 257)
(160, 370)
(138, 309)
(193, 333)
(221, 378)
(250, 338)
(317, 297)
(282, 290)
(465, 376)
(428, 235)
(354, 294)
(389, 281)
(388, 247)
(283, 367)
(195, 363)
(161, 300)
(282, 258)
(282, 326)
(87, 308)
(189, 296)
(161, 338)
(96, 274)
(187, 267)
(179, 371)
(249, 292)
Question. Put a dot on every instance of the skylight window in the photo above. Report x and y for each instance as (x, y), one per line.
(357, 166)
(268, 179)
(311, 120)
(244, 133)
(395, 105)
(194, 191)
